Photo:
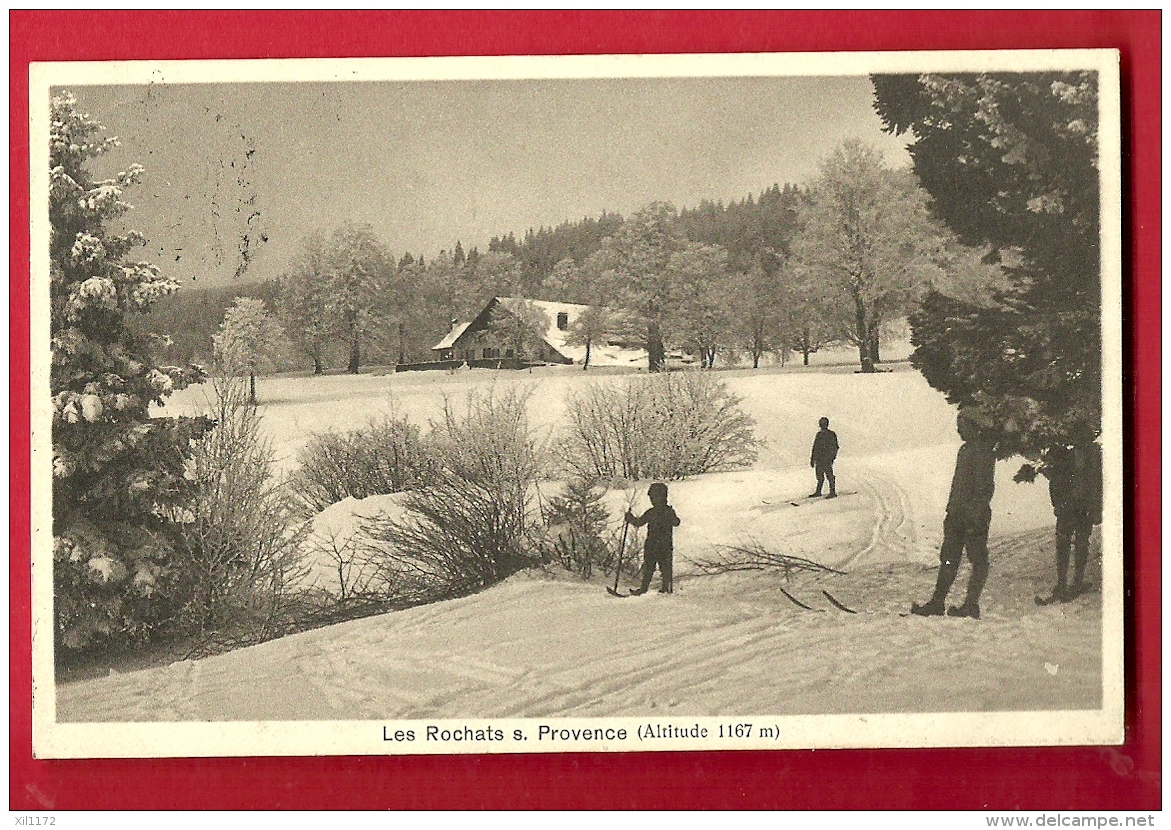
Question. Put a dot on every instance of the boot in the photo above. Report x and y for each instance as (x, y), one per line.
(943, 580)
(971, 606)
(968, 609)
(1059, 594)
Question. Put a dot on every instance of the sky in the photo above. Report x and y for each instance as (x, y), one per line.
(427, 163)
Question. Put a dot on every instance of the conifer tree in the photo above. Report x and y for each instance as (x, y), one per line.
(1011, 162)
(118, 473)
(582, 516)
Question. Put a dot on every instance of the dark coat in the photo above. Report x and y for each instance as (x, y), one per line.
(825, 448)
(1075, 481)
(659, 522)
(974, 480)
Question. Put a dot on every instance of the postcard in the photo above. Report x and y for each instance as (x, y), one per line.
(562, 404)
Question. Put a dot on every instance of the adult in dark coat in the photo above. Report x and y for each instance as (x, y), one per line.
(965, 527)
(821, 459)
(1075, 491)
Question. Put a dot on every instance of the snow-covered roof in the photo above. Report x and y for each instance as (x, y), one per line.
(554, 336)
(453, 335)
(601, 354)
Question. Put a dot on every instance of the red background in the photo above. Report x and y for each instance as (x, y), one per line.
(1126, 777)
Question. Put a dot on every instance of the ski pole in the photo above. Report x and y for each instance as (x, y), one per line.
(621, 550)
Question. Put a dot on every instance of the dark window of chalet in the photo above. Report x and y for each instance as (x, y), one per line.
(562, 320)
(491, 353)
(508, 353)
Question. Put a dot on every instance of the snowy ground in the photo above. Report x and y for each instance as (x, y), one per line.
(549, 644)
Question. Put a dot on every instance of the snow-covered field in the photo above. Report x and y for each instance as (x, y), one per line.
(549, 644)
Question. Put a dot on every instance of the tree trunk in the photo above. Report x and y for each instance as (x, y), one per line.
(318, 366)
(355, 354)
(586, 365)
(805, 346)
(865, 356)
(402, 345)
(252, 387)
(711, 357)
(655, 351)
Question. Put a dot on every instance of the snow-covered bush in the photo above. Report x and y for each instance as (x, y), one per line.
(666, 426)
(118, 474)
(385, 456)
(473, 521)
(241, 542)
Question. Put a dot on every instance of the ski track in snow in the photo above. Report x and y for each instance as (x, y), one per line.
(538, 647)
(893, 531)
(552, 645)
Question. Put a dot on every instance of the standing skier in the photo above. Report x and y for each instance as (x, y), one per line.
(965, 528)
(660, 519)
(821, 459)
(1075, 490)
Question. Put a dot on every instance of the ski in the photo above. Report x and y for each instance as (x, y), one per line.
(798, 602)
(837, 604)
(808, 499)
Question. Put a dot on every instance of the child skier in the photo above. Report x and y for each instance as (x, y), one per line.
(821, 459)
(658, 549)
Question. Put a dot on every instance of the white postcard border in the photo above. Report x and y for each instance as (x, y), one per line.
(155, 740)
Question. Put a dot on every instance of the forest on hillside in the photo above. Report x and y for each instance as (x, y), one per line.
(778, 273)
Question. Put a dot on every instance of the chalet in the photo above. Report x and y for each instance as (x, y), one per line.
(484, 341)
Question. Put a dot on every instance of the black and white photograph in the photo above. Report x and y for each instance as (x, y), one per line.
(563, 404)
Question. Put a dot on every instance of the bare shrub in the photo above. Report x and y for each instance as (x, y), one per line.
(472, 523)
(241, 542)
(385, 456)
(754, 556)
(354, 565)
(668, 426)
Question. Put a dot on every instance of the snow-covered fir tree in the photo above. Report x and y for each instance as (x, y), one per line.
(118, 473)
